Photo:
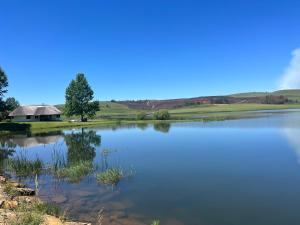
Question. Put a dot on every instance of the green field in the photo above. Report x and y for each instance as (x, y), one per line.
(122, 112)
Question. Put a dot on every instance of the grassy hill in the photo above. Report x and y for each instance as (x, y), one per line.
(293, 94)
(121, 110)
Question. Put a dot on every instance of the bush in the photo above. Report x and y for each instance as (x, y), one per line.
(141, 116)
(162, 115)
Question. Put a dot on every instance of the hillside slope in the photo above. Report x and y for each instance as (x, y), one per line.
(293, 94)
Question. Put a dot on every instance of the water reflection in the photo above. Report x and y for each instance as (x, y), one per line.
(82, 146)
(7, 149)
(24, 141)
(162, 127)
(293, 137)
(142, 126)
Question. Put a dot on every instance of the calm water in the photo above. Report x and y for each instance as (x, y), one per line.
(238, 172)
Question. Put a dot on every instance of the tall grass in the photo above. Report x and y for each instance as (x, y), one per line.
(33, 214)
(23, 167)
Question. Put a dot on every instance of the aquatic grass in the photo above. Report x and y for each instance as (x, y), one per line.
(111, 176)
(155, 222)
(58, 158)
(74, 172)
(23, 167)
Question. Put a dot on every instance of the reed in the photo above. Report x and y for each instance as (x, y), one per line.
(23, 167)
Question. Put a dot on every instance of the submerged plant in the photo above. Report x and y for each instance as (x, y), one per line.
(110, 176)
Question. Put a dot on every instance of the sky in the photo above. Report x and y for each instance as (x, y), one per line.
(148, 49)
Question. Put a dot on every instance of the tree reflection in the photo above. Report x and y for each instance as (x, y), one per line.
(142, 126)
(162, 127)
(82, 146)
(7, 149)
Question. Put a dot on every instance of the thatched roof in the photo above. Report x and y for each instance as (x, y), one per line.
(35, 111)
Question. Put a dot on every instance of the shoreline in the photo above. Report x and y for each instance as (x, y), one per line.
(15, 208)
(11, 128)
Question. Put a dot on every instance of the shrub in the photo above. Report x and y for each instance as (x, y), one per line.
(162, 115)
(141, 116)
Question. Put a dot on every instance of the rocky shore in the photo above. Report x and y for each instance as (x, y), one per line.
(17, 201)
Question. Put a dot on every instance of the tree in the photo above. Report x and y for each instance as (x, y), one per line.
(3, 86)
(141, 116)
(3, 83)
(8, 106)
(162, 115)
(11, 104)
(79, 96)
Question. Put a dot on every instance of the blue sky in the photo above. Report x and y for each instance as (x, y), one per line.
(146, 49)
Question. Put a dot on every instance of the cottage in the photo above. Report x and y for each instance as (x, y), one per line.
(35, 113)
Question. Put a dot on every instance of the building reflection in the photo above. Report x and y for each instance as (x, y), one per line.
(24, 141)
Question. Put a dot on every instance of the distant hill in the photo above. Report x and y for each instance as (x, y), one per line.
(276, 97)
(293, 94)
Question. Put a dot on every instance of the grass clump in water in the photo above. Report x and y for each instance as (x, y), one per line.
(110, 176)
(23, 167)
(155, 222)
(75, 172)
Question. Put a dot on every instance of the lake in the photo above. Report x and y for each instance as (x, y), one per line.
(235, 172)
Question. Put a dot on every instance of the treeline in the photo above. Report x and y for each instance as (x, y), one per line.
(276, 100)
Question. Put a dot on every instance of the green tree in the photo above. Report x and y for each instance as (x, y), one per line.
(141, 116)
(3, 88)
(162, 114)
(11, 104)
(3, 83)
(79, 96)
(7, 106)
